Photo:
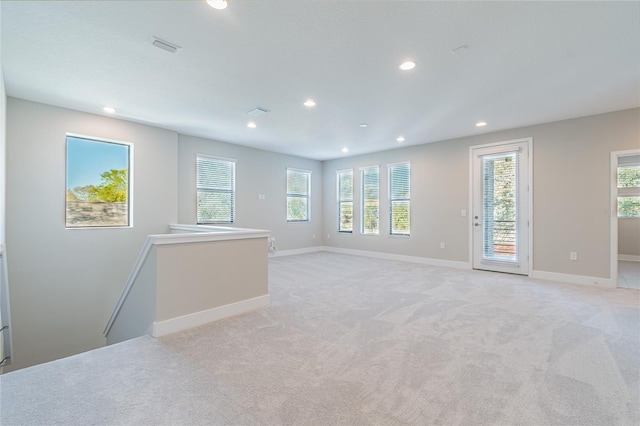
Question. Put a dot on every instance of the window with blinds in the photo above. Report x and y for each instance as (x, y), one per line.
(400, 199)
(298, 191)
(370, 197)
(500, 205)
(345, 200)
(215, 188)
(629, 190)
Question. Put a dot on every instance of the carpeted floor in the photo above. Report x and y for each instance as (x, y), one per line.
(353, 340)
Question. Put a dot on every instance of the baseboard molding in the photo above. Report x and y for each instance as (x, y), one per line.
(629, 257)
(162, 328)
(296, 251)
(573, 279)
(401, 258)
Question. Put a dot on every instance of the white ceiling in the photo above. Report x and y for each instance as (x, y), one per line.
(526, 63)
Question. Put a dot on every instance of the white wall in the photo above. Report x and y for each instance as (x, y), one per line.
(64, 283)
(629, 236)
(257, 172)
(570, 194)
(3, 162)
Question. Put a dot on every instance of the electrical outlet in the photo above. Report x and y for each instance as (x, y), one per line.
(442, 245)
(314, 236)
(328, 236)
(463, 212)
(573, 255)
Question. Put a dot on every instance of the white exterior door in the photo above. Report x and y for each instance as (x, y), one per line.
(501, 207)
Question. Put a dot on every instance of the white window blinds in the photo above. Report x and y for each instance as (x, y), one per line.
(345, 200)
(400, 198)
(215, 188)
(370, 196)
(298, 190)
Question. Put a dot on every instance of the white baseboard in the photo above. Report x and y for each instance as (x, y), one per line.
(295, 251)
(629, 257)
(573, 279)
(401, 257)
(162, 328)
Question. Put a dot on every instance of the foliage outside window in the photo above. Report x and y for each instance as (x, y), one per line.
(215, 188)
(629, 191)
(298, 190)
(98, 185)
(400, 199)
(345, 200)
(370, 189)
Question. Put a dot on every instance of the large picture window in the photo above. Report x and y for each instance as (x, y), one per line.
(370, 196)
(400, 199)
(345, 200)
(298, 191)
(98, 184)
(216, 189)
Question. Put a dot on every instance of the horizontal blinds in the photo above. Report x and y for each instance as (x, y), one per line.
(500, 201)
(345, 200)
(298, 188)
(215, 187)
(400, 195)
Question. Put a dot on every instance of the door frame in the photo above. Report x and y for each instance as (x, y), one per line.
(613, 211)
(529, 142)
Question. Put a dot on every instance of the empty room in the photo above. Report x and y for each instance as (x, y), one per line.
(309, 212)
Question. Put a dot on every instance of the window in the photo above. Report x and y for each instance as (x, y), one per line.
(215, 189)
(628, 190)
(399, 199)
(370, 188)
(345, 200)
(298, 190)
(98, 186)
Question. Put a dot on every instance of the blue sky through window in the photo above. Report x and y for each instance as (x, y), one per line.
(87, 159)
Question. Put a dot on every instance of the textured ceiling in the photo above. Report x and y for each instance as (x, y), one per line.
(526, 63)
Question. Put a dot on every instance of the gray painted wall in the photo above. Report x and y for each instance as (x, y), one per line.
(3, 153)
(64, 283)
(629, 236)
(571, 193)
(257, 172)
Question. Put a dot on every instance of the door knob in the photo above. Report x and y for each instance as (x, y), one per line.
(476, 224)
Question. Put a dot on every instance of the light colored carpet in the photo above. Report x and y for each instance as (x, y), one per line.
(353, 340)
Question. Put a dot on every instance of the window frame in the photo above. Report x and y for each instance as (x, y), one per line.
(293, 195)
(232, 191)
(364, 200)
(130, 176)
(340, 201)
(390, 168)
(626, 191)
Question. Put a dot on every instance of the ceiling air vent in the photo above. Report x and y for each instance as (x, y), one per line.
(258, 111)
(165, 45)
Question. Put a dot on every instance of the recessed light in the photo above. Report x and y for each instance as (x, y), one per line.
(217, 4)
(481, 124)
(309, 103)
(363, 125)
(408, 65)
(109, 110)
(251, 125)
(345, 150)
(400, 139)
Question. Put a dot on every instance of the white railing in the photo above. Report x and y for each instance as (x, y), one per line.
(5, 314)
(180, 234)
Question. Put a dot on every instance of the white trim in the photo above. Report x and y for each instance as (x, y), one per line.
(162, 328)
(214, 157)
(629, 257)
(613, 211)
(400, 257)
(574, 279)
(199, 234)
(497, 145)
(296, 251)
